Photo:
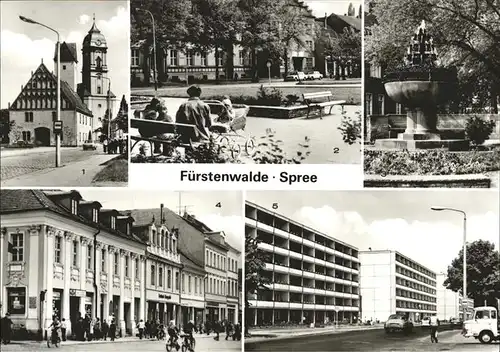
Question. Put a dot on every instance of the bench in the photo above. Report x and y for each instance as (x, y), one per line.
(184, 135)
(320, 100)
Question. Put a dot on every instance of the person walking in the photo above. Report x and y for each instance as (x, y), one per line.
(141, 326)
(63, 329)
(434, 328)
(112, 330)
(229, 329)
(97, 329)
(6, 328)
(105, 145)
(105, 330)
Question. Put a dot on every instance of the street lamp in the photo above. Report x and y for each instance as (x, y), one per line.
(58, 103)
(464, 293)
(154, 48)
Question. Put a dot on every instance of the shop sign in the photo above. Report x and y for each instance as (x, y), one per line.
(160, 295)
(88, 300)
(231, 305)
(56, 296)
(77, 293)
(212, 304)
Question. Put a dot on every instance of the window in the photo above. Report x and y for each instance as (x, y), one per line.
(26, 136)
(57, 249)
(309, 45)
(195, 285)
(137, 268)
(169, 278)
(153, 275)
(75, 254)
(74, 206)
(309, 63)
(95, 215)
(204, 59)
(177, 281)
(17, 247)
(183, 283)
(126, 265)
(375, 71)
(134, 57)
(399, 108)
(173, 58)
(28, 116)
(189, 284)
(241, 58)
(16, 300)
(206, 256)
(368, 104)
(54, 116)
(210, 285)
(103, 260)
(220, 60)
(380, 104)
(89, 257)
(99, 90)
(160, 277)
(116, 263)
(210, 262)
(174, 249)
(190, 59)
(113, 222)
(64, 67)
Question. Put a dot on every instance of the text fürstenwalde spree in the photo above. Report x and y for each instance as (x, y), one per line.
(251, 176)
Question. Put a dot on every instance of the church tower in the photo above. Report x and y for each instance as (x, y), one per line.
(95, 82)
(69, 63)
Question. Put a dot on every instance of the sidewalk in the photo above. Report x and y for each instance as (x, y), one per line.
(284, 333)
(75, 174)
(9, 152)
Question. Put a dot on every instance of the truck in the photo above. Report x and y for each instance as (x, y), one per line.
(484, 325)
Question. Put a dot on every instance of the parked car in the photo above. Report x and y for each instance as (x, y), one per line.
(316, 75)
(89, 146)
(456, 323)
(398, 323)
(296, 76)
(426, 321)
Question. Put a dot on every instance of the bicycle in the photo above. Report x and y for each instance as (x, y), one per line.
(188, 343)
(172, 345)
(54, 339)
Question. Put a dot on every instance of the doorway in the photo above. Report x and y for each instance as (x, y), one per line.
(42, 136)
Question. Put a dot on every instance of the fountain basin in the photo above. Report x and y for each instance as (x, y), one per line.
(419, 94)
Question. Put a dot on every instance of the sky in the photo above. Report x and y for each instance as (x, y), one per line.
(396, 220)
(204, 205)
(23, 45)
(320, 7)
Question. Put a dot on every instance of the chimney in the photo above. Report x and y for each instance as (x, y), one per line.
(161, 213)
(325, 19)
(8, 105)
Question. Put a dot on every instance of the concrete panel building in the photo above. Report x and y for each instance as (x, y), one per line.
(393, 283)
(315, 277)
(449, 303)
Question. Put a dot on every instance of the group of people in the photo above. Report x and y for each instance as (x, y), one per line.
(88, 329)
(114, 145)
(193, 112)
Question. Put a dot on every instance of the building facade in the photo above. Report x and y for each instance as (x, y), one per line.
(163, 265)
(393, 283)
(64, 256)
(193, 293)
(315, 278)
(450, 303)
(233, 291)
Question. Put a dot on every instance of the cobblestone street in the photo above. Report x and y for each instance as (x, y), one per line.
(16, 163)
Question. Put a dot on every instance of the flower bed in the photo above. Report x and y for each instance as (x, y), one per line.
(433, 162)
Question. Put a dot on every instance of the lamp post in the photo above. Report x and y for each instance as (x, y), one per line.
(154, 49)
(58, 70)
(464, 293)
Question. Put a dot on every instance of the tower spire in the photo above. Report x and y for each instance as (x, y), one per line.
(93, 17)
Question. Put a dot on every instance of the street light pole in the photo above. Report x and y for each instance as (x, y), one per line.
(154, 49)
(58, 70)
(464, 293)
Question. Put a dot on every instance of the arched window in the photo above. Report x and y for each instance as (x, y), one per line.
(153, 236)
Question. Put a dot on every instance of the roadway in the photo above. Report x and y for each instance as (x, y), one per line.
(372, 340)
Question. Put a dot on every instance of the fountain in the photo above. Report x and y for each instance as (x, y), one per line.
(421, 86)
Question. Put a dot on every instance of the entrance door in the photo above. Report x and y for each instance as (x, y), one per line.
(128, 323)
(298, 63)
(42, 136)
(74, 307)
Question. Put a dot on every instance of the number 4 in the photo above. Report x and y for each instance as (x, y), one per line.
(218, 205)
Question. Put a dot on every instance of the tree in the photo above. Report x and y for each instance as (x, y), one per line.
(360, 11)
(255, 278)
(466, 34)
(220, 23)
(483, 272)
(260, 27)
(121, 119)
(341, 47)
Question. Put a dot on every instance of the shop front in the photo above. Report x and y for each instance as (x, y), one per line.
(215, 311)
(192, 310)
(161, 306)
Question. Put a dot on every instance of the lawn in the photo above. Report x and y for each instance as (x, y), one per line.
(349, 94)
(116, 170)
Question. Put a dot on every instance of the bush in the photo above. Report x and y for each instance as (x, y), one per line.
(430, 162)
(351, 128)
(478, 130)
(271, 97)
(269, 151)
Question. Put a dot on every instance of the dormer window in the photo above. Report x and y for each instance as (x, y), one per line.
(74, 207)
(113, 222)
(95, 215)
